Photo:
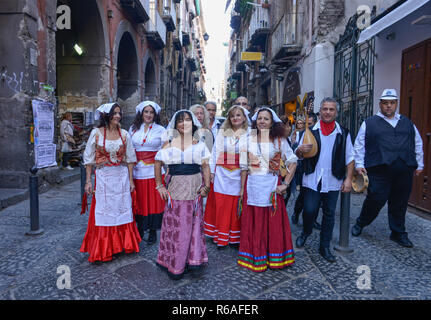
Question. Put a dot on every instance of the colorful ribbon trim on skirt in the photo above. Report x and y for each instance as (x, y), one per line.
(273, 260)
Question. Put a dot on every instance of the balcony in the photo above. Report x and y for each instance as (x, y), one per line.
(177, 39)
(192, 60)
(169, 15)
(259, 27)
(285, 47)
(235, 21)
(139, 10)
(155, 28)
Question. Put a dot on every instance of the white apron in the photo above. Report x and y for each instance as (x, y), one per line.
(113, 199)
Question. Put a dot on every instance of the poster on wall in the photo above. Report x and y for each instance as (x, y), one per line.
(45, 155)
(43, 133)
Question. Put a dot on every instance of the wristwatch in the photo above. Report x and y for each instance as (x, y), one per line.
(285, 183)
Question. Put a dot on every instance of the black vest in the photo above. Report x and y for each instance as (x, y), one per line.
(338, 155)
(384, 144)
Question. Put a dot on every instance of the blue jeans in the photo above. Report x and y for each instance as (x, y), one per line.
(311, 208)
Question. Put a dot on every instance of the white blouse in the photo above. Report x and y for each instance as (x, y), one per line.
(261, 182)
(154, 140)
(111, 146)
(194, 154)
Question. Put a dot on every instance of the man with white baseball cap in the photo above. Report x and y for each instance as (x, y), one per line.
(388, 148)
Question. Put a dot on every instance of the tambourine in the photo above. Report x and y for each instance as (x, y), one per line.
(360, 182)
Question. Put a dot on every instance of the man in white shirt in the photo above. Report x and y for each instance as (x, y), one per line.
(326, 174)
(388, 149)
(214, 124)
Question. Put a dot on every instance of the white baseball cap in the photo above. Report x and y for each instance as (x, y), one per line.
(389, 94)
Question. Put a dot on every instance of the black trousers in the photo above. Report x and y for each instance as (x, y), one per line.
(65, 159)
(388, 183)
(313, 200)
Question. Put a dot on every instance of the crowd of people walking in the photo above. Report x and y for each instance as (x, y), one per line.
(230, 181)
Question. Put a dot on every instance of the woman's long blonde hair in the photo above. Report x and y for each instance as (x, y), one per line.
(226, 127)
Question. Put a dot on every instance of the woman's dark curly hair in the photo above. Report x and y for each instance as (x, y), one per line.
(137, 122)
(277, 128)
(106, 117)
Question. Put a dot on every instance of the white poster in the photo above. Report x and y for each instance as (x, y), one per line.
(43, 114)
(45, 155)
(44, 149)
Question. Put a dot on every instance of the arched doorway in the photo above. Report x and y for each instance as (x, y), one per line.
(127, 68)
(82, 59)
(150, 81)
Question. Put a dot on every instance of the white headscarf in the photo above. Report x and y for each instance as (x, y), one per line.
(170, 129)
(140, 107)
(104, 108)
(196, 122)
(275, 118)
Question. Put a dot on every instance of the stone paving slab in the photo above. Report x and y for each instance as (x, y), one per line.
(29, 264)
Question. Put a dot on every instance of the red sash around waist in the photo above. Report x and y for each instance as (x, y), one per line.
(147, 157)
(228, 161)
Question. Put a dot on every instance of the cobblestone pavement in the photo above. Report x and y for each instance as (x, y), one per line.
(29, 264)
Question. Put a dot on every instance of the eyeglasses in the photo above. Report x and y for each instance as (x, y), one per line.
(242, 103)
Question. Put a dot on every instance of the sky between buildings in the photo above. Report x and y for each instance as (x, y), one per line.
(217, 24)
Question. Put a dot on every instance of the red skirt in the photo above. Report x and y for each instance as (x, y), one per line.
(147, 197)
(266, 239)
(221, 220)
(103, 242)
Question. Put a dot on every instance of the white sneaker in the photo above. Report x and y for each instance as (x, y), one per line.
(69, 167)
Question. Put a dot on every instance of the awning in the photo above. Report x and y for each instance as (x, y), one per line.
(392, 17)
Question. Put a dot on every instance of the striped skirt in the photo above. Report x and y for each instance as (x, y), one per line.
(222, 222)
(266, 239)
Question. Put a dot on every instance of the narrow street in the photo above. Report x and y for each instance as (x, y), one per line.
(29, 264)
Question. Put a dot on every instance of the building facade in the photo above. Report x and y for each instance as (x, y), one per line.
(350, 50)
(79, 54)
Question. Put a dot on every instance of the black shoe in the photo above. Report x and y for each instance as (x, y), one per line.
(295, 217)
(327, 255)
(401, 239)
(300, 241)
(317, 225)
(152, 237)
(356, 230)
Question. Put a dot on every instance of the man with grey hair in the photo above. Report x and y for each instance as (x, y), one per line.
(325, 174)
(214, 124)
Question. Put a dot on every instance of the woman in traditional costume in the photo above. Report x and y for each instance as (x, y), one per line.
(111, 227)
(147, 137)
(266, 239)
(223, 209)
(182, 243)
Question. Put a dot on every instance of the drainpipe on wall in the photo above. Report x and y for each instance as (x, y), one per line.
(310, 23)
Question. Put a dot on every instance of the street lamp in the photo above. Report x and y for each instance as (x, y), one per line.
(206, 36)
